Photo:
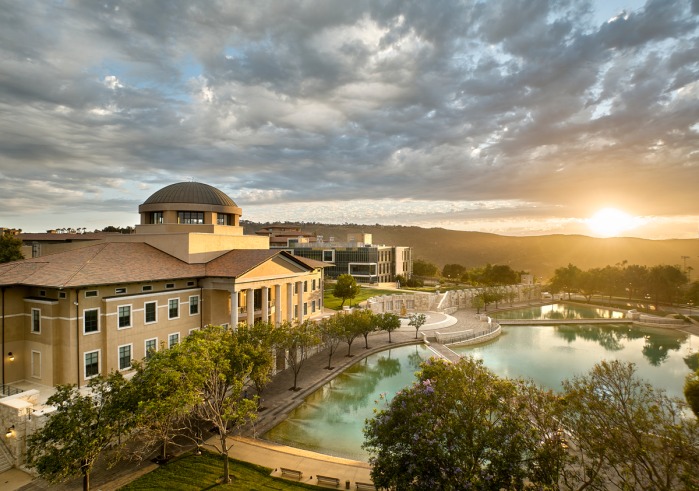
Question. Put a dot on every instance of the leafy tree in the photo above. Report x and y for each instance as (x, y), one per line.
(165, 396)
(458, 427)
(453, 271)
(219, 365)
(388, 322)
(665, 283)
(297, 340)
(345, 288)
(366, 324)
(351, 327)
(260, 340)
(566, 279)
(691, 392)
(499, 274)
(417, 321)
(424, 268)
(79, 431)
(330, 335)
(10, 247)
(636, 279)
(626, 434)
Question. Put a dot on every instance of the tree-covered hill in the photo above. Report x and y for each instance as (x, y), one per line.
(539, 255)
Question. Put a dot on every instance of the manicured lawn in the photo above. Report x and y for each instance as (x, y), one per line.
(199, 472)
(331, 302)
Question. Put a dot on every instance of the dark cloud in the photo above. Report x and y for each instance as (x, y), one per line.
(327, 100)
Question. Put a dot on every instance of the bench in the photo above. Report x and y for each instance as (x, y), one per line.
(365, 486)
(328, 480)
(291, 473)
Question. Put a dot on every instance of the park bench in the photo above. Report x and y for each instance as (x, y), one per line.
(328, 480)
(291, 473)
(365, 486)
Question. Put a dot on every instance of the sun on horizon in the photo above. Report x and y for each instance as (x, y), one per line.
(610, 222)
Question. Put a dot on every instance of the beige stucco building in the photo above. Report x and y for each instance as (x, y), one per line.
(96, 305)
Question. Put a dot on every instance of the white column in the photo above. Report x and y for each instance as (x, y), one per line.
(290, 302)
(277, 304)
(234, 309)
(250, 300)
(265, 304)
(300, 299)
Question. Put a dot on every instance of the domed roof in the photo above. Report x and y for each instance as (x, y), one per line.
(190, 192)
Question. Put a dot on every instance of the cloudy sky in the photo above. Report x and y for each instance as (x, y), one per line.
(512, 117)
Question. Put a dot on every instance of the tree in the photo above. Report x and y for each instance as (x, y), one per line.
(10, 247)
(388, 322)
(417, 321)
(626, 434)
(350, 326)
(165, 396)
(691, 392)
(454, 271)
(424, 268)
(566, 279)
(366, 324)
(219, 365)
(79, 431)
(458, 426)
(330, 335)
(345, 288)
(260, 340)
(297, 341)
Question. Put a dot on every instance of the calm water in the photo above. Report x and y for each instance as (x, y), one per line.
(560, 311)
(330, 421)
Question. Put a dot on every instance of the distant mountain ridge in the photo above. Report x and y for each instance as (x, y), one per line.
(539, 255)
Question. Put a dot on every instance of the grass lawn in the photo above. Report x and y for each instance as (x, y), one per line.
(331, 302)
(198, 472)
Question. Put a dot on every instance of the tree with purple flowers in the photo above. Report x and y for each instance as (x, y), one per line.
(458, 426)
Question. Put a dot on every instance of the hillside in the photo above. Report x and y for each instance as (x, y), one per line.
(539, 255)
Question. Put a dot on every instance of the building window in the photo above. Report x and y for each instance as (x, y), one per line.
(305, 286)
(119, 291)
(194, 305)
(150, 310)
(36, 321)
(147, 288)
(169, 285)
(61, 294)
(223, 219)
(296, 311)
(190, 217)
(124, 316)
(193, 329)
(42, 293)
(173, 339)
(92, 364)
(313, 306)
(36, 364)
(151, 347)
(125, 357)
(91, 320)
(190, 283)
(156, 217)
(305, 308)
(329, 256)
(90, 293)
(313, 285)
(173, 308)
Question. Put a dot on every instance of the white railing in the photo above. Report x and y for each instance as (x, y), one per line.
(466, 335)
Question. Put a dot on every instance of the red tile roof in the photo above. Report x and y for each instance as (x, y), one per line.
(127, 262)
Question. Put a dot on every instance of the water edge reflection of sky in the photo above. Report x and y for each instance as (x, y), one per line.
(331, 419)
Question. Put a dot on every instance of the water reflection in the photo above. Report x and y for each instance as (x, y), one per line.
(331, 419)
(560, 311)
